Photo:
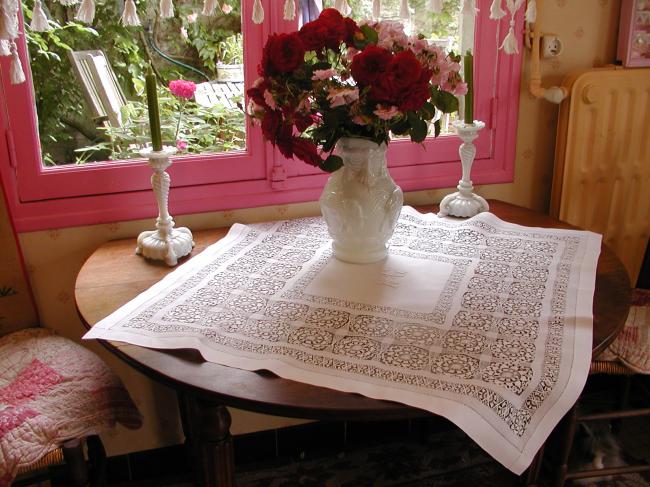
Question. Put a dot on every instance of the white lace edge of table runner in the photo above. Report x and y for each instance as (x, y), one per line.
(464, 416)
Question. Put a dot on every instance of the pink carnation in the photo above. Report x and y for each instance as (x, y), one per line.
(386, 113)
(342, 96)
(181, 144)
(182, 88)
(323, 74)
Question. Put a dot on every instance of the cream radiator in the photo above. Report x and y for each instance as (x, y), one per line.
(602, 159)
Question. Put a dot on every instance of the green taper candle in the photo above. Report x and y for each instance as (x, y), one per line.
(469, 79)
(154, 114)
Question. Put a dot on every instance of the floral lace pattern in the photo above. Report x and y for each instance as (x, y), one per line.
(497, 340)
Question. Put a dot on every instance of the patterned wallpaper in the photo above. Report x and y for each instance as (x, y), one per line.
(55, 256)
(16, 308)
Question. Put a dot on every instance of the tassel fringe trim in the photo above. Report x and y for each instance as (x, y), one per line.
(130, 16)
(86, 12)
(258, 12)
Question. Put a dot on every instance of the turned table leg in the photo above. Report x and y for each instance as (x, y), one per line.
(206, 425)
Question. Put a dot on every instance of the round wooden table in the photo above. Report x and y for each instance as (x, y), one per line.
(113, 275)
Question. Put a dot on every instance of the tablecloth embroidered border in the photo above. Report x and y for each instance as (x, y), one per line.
(503, 352)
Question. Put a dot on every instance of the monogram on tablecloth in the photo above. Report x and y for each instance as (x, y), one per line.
(484, 322)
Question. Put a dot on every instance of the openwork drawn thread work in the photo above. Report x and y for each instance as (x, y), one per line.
(493, 338)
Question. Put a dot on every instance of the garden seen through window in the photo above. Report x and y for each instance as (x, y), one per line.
(89, 79)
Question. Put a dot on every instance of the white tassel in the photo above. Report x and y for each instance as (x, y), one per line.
(343, 6)
(209, 7)
(130, 15)
(509, 44)
(86, 12)
(258, 12)
(376, 8)
(5, 49)
(496, 12)
(17, 74)
(166, 9)
(435, 6)
(531, 11)
(404, 10)
(289, 9)
(9, 19)
(469, 7)
(68, 3)
(39, 21)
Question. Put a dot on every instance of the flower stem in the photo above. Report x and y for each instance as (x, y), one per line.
(180, 116)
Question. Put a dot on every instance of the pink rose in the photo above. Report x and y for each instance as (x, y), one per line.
(181, 144)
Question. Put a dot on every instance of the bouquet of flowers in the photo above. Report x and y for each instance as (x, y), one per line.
(335, 78)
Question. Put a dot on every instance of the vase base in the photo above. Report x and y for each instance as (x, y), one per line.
(359, 256)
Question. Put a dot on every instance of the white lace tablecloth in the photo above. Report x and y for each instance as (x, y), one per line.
(484, 322)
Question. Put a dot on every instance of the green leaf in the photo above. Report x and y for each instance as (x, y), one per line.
(428, 111)
(370, 36)
(400, 127)
(332, 163)
(418, 130)
(321, 65)
(437, 128)
(444, 101)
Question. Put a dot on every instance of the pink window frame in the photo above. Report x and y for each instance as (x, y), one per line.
(42, 198)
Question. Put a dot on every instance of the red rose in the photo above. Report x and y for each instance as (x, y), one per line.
(306, 151)
(383, 90)
(312, 35)
(331, 15)
(413, 98)
(328, 30)
(404, 70)
(370, 64)
(351, 28)
(283, 53)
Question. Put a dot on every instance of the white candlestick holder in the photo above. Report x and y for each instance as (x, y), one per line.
(165, 242)
(465, 203)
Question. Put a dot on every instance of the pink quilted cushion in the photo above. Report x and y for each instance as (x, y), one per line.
(52, 390)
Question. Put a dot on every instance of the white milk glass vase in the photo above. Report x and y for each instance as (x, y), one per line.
(360, 202)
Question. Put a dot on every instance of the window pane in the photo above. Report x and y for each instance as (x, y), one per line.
(89, 80)
(449, 29)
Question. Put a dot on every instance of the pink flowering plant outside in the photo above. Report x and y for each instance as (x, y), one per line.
(184, 90)
(335, 78)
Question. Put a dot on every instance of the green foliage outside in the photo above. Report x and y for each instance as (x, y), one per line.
(214, 129)
(439, 27)
(67, 132)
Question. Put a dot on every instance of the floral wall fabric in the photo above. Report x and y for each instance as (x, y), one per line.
(55, 256)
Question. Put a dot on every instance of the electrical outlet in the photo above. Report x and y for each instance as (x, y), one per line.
(551, 46)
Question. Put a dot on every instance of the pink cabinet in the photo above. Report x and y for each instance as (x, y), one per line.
(634, 33)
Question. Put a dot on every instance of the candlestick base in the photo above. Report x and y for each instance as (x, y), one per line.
(166, 242)
(465, 203)
(169, 247)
